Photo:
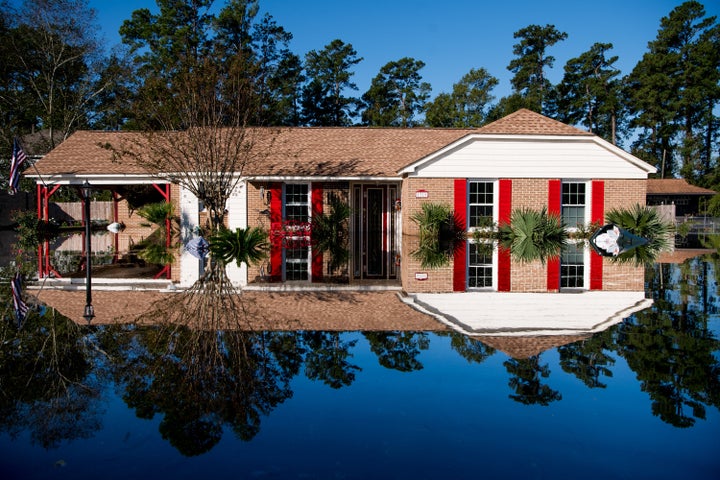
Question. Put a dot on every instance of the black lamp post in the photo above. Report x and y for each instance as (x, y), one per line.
(89, 310)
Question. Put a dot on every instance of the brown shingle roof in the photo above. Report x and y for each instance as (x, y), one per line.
(346, 152)
(527, 122)
(675, 186)
(351, 152)
(301, 151)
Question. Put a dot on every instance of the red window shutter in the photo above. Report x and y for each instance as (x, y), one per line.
(275, 226)
(597, 215)
(555, 196)
(316, 270)
(504, 211)
(460, 255)
(504, 201)
(554, 207)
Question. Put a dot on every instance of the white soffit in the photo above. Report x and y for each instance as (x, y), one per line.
(528, 314)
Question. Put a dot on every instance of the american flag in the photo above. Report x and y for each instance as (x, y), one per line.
(18, 159)
(21, 307)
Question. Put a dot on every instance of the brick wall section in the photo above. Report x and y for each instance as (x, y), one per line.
(440, 190)
(529, 193)
(528, 277)
(439, 280)
(624, 193)
(623, 277)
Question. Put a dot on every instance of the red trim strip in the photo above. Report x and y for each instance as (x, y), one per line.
(504, 201)
(597, 215)
(460, 255)
(555, 196)
(555, 208)
(275, 272)
(504, 212)
(553, 274)
(316, 272)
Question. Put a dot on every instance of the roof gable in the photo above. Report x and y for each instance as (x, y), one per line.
(527, 122)
(526, 144)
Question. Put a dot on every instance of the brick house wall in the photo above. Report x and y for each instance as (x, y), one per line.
(526, 193)
(439, 190)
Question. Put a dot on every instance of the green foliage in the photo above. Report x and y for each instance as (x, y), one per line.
(248, 246)
(645, 222)
(712, 207)
(441, 233)
(590, 94)
(330, 233)
(533, 235)
(529, 67)
(156, 253)
(157, 213)
(328, 73)
(396, 95)
(466, 106)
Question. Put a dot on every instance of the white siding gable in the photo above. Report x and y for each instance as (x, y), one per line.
(517, 156)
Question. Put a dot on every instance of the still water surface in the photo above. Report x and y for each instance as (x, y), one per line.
(639, 400)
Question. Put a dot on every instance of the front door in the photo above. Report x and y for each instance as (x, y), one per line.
(374, 236)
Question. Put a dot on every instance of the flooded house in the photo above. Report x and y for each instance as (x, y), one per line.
(383, 176)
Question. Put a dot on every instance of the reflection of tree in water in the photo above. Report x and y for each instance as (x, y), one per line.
(47, 385)
(670, 347)
(471, 349)
(202, 380)
(525, 375)
(398, 350)
(589, 359)
(327, 358)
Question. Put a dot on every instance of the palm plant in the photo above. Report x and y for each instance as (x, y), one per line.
(248, 246)
(330, 233)
(156, 213)
(533, 235)
(645, 222)
(441, 233)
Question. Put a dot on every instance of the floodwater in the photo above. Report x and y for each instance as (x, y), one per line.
(638, 400)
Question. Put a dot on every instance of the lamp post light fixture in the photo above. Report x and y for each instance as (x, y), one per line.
(89, 310)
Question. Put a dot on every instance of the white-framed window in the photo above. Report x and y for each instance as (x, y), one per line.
(296, 210)
(574, 203)
(297, 202)
(481, 265)
(481, 203)
(572, 266)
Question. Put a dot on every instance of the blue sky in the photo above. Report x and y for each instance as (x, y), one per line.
(451, 37)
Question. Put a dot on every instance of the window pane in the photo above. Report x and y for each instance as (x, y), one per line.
(572, 267)
(296, 202)
(480, 268)
(480, 199)
(296, 263)
(573, 204)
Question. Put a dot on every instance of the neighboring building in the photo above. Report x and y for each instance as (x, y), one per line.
(688, 200)
(385, 175)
